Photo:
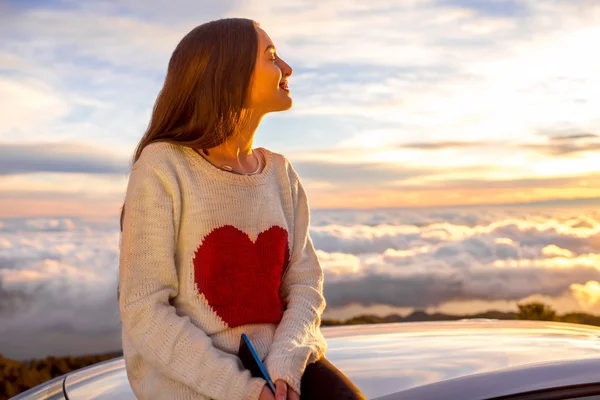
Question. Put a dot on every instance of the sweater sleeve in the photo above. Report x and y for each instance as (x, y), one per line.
(298, 340)
(148, 280)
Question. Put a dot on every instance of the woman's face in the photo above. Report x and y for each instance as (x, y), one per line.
(268, 89)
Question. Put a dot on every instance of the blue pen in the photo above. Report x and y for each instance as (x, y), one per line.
(263, 370)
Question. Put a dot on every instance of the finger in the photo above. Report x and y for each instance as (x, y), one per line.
(280, 390)
(292, 395)
(266, 394)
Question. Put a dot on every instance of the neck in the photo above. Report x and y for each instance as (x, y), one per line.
(239, 147)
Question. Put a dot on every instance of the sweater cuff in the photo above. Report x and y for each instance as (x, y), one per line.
(288, 367)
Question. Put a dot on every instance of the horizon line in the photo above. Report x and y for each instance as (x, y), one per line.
(586, 201)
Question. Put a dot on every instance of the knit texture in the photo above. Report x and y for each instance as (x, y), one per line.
(207, 255)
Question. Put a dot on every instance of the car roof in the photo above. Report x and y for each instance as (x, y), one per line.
(533, 378)
(387, 358)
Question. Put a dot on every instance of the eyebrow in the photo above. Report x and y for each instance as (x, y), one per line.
(269, 47)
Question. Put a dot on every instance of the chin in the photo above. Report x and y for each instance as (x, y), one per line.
(282, 105)
(279, 103)
(286, 104)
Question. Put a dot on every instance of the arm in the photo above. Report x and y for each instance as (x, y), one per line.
(148, 280)
(298, 340)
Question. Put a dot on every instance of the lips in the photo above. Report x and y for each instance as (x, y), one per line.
(284, 85)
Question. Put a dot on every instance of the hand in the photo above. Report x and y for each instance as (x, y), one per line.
(282, 392)
(266, 393)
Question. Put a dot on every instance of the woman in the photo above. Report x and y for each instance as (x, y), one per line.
(215, 236)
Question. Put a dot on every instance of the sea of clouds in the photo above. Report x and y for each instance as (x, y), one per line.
(58, 276)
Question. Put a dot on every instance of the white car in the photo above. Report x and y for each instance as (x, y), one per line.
(457, 360)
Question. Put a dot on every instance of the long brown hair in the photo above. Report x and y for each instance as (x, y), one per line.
(201, 103)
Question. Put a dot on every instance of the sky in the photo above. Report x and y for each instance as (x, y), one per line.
(396, 103)
(448, 148)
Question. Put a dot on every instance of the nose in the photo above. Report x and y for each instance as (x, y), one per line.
(286, 70)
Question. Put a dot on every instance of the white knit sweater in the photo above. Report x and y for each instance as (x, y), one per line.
(207, 255)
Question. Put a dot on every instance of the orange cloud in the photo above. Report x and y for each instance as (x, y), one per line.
(366, 198)
(10, 208)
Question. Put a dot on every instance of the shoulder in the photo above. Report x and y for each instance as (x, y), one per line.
(283, 164)
(160, 162)
(160, 156)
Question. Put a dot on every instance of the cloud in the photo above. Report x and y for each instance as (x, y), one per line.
(60, 274)
(93, 32)
(353, 174)
(101, 65)
(576, 136)
(587, 294)
(61, 194)
(28, 104)
(502, 8)
(566, 146)
(188, 11)
(58, 157)
(557, 145)
(432, 291)
(441, 145)
(19, 225)
(64, 272)
(507, 160)
(494, 257)
(566, 133)
(478, 88)
(452, 231)
(565, 139)
(408, 183)
(524, 183)
(12, 299)
(426, 281)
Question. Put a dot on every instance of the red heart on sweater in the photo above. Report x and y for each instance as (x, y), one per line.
(240, 279)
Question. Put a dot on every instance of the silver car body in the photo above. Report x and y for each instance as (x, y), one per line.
(468, 359)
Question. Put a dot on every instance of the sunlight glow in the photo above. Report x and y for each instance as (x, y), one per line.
(588, 295)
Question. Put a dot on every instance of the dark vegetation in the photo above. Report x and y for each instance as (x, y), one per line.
(18, 376)
(529, 311)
